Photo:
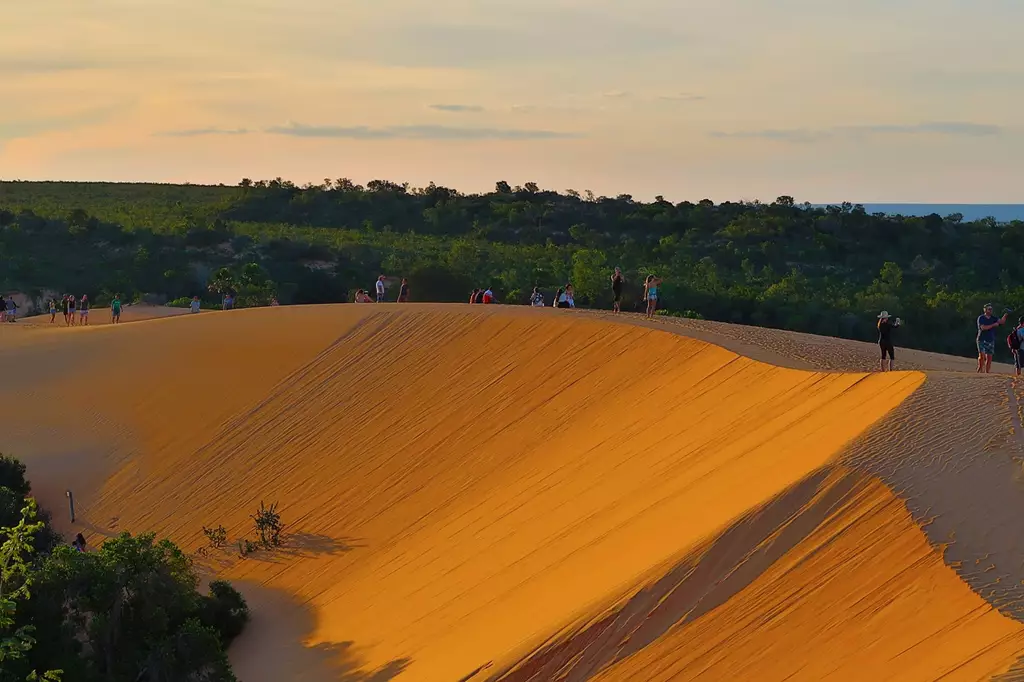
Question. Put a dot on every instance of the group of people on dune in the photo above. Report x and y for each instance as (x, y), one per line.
(403, 292)
(73, 308)
(986, 339)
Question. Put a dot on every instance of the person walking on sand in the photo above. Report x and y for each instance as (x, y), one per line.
(83, 310)
(68, 307)
(53, 310)
(617, 283)
(885, 327)
(987, 323)
(12, 310)
(194, 305)
(403, 291)
(115, 310)
(380, 289)
(651, 294)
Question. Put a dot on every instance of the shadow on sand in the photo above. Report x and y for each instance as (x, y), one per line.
(272, 647)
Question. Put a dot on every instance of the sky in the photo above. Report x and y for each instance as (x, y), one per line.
(823, 100)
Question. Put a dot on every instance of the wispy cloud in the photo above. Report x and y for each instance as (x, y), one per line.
(416, 132)
(457, 108)
(682, 97)
(19, 129)
(199, 132)
(802, 135)
(32, 66)
(615, 94)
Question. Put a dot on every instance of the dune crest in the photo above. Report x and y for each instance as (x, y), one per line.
(468, 490)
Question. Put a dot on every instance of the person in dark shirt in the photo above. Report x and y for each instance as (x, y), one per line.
(885, 327)
(617, 283)
(987, 323)
(403, 291)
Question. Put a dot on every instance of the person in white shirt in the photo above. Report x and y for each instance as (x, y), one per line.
(380, 289)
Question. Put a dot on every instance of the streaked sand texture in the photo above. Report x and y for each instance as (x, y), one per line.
(504, 493)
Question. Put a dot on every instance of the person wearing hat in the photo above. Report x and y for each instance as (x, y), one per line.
(987, 323)
(885, 327)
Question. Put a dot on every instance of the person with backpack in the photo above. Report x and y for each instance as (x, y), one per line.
(1015, 341)
(885, 328)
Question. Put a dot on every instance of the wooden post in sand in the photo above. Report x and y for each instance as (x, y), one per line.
(71, 505)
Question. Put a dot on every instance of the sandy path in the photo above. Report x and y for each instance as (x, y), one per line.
(462, 484)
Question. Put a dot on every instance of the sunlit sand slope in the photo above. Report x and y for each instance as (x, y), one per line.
(463, 485)
(830, 580)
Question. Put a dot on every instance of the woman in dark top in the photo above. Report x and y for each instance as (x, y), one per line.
(403, 292)
(617, 281)
(885, 327)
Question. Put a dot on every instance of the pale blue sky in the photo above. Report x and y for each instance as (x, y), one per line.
(906, 100)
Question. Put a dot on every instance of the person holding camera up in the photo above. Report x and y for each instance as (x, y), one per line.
(885, 327)
(987, 323)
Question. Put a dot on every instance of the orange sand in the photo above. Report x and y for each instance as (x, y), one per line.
(463, 485)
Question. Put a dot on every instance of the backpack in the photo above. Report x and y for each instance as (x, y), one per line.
(1013, 340)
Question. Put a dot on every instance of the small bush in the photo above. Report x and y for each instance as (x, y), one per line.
(246, 547)
(224, 610)
(268, 525)
(217, 537)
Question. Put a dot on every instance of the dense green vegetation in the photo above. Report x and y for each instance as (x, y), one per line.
(822, 270)
(128, 611)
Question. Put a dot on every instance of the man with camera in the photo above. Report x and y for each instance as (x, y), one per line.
(885, 327)
(987, 323)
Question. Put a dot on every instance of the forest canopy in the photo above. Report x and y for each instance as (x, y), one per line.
(825, 270)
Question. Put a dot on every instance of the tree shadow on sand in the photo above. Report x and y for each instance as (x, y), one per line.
(304, 546)
(273, 646)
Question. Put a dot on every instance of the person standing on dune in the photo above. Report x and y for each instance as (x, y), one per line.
(651, 295)
(115, 310)
(68, 308)
(617, 283)
(403, 291)
(83, 310)
(885, 328)
(380, 289)
(53, 310)
(987, 323)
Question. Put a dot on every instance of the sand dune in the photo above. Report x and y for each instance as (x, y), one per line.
(504, 493)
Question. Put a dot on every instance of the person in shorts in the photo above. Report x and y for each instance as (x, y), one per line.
(885, 327)
(987, 323)
(53, 310)
(67, 306)
(115, 310)
(83, 310)
(380, 289)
